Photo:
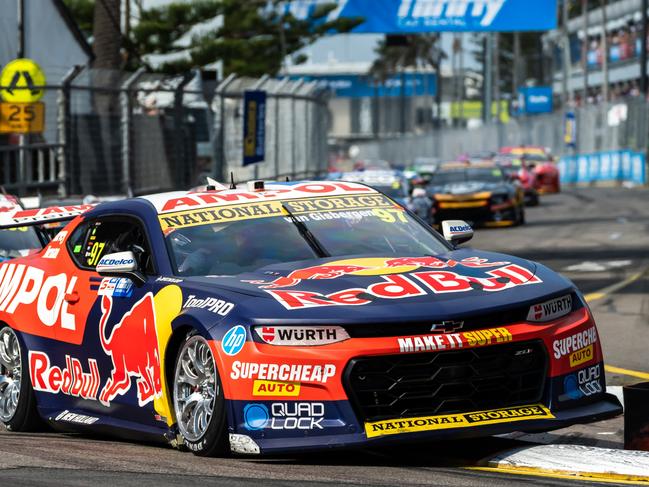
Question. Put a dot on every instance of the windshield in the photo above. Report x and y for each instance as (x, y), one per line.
(15, 242)
(481, 174)
(360, 224)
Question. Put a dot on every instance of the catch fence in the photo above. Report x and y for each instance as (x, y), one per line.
(111, 133)
(610, 126)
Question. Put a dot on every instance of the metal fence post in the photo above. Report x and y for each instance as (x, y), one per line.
(64, 175)
(257, 86)
(219, 162)
(275, 94)
(181, 179)
(125, 102)
(292, 92)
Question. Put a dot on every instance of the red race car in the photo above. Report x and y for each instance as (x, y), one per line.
(515, 169)
(541, 162)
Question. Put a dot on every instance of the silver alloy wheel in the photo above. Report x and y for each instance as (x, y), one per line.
(196, 388)
(10, 374)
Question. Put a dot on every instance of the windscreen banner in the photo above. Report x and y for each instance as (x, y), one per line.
(420, 16)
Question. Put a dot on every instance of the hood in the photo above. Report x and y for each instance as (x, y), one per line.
(468, 187)
(380, 289)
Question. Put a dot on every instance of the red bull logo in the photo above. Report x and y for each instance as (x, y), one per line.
(373, 266)
(133, 349)
(409, 285)
(315, 272)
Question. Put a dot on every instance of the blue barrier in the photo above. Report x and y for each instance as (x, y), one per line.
(620, 166)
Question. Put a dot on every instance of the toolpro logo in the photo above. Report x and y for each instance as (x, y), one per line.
(133, 348)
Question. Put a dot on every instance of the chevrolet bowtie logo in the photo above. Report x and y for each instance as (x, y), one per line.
(447, 326)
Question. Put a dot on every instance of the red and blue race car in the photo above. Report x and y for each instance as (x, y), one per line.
(286, 317)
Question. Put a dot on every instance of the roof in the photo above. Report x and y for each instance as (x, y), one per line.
(375, 177)
(525, 149)
(178, 201)
(65, 14)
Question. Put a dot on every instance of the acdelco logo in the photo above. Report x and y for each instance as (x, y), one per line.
(461, 229)
(106, 262)
(22, 285)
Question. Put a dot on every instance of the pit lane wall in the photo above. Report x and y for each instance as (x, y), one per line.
(622, 166)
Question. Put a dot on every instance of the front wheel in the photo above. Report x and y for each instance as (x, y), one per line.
(199, 403)
(17, 401)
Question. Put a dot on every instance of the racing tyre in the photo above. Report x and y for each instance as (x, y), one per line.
(199, 403)
(521, 216)
(17, 401)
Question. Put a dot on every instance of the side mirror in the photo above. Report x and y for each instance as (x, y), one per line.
(457, 231)
(121, 264)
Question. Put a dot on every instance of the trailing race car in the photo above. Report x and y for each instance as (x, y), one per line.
(541, 163)
(287, 317)
(516, 170)
(390, 183)
(479, 193)
(18, 241)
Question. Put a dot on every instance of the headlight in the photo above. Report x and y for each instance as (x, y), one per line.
(550, 310)
(300, 336)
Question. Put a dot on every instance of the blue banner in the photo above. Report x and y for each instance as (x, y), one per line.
(357, 86)
(535, 99)
(622, 166)
(417, 16)
(254, 127)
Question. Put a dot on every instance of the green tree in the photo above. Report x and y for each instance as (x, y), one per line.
(255, 37)
(83, 13)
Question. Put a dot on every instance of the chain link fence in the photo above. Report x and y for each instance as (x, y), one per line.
(116, 133)
(295, 132)
(604, 127)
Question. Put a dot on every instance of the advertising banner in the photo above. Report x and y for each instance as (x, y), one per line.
(359, 86)
(611, 166)
(535, 99)
(254, 127)
(416, 16)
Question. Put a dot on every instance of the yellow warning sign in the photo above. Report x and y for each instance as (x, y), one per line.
(22, 118)
(21, 81)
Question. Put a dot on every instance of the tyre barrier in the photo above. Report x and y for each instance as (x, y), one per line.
(636, 416)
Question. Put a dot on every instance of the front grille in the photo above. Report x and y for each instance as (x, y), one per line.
(470, 214)
(472, 321)
(432, 383)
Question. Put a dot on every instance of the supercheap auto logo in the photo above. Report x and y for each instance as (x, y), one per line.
(463, 420)
(398, 280)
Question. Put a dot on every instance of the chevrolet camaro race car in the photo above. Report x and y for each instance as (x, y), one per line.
(480, 193)
(286, 317)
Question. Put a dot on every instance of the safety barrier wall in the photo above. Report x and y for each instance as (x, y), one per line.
(609, 166)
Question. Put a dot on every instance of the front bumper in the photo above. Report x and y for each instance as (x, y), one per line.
(478, 216)
(297, 398)
(607, 407)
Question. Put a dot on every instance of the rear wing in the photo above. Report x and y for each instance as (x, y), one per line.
(18, 217)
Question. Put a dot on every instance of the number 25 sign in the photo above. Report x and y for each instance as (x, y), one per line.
(22, 118)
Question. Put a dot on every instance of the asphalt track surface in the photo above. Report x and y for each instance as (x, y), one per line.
(599, 237)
